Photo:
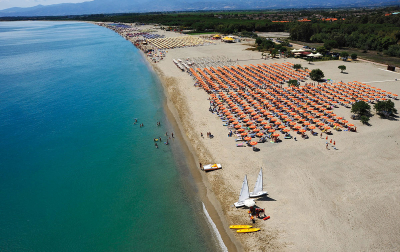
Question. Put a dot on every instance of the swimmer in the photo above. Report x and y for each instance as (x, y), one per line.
(156, 145)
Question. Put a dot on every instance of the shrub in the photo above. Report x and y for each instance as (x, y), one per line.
(297, 66)
(316, 74)
(293, 83)
(364, 119)
(342, 68)
(385, 108)
(361, 108)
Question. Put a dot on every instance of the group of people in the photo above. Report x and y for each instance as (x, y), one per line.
(160, 139)
(327, 143)
(254, 211)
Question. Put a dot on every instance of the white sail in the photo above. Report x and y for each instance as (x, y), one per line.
(259, 183)
(244, 192)
(258, 188)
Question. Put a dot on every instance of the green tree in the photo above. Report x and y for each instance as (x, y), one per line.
(329, 44)
(297, 66)
(385, 108)
(364, 119)
(360, 108)
(322, 50)
(293, 83)
(353, 56)
(342, 68)
(259, 41)
(344, 55)
(274, 52)
(316, 74)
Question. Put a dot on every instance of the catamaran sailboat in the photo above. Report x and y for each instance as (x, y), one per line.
(244, 197)
(258, 188)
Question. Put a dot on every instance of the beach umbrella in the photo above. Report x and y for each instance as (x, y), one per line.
(286, 130)
(243, 134)
(247, 138)
(238, 126)
(252, 127)
(275, 135)
(271, 130)
(311, 127)
(240, 130)
(302, 130)
(253, 143)
(259, 134)
(350, 125)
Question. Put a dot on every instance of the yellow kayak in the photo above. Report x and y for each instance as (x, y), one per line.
(248, 230)
(239, 226)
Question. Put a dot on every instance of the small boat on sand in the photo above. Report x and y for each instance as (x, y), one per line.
(248, 230)
(244, 197)
(239, 226)
(211, 167)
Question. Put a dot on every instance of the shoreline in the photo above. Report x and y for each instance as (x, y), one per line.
(174, 115)
(314, 194)
(205, 192)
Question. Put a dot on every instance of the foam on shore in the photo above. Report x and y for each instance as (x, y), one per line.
(215, 230)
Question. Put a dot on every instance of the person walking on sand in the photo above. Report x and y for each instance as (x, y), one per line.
(201, 134)
(331, 141)
(172, 134)
(327, 145)
(321, 134)
(201, 167)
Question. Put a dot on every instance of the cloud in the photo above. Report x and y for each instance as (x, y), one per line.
(5, 4)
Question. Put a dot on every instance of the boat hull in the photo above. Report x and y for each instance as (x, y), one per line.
(259, 194)
(212, 167)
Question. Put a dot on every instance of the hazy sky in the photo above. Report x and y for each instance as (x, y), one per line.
(4, 4)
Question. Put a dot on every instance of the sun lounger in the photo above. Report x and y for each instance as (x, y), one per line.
(241, 145)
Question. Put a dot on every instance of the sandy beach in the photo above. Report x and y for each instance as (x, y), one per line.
(319, 200)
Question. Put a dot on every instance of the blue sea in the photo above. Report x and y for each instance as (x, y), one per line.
(76, 172)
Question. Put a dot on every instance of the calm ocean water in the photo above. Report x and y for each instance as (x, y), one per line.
(76, 173)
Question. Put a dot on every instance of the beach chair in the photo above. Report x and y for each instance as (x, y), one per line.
(241, 145)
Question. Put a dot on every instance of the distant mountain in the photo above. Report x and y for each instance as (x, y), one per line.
(137, 6)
